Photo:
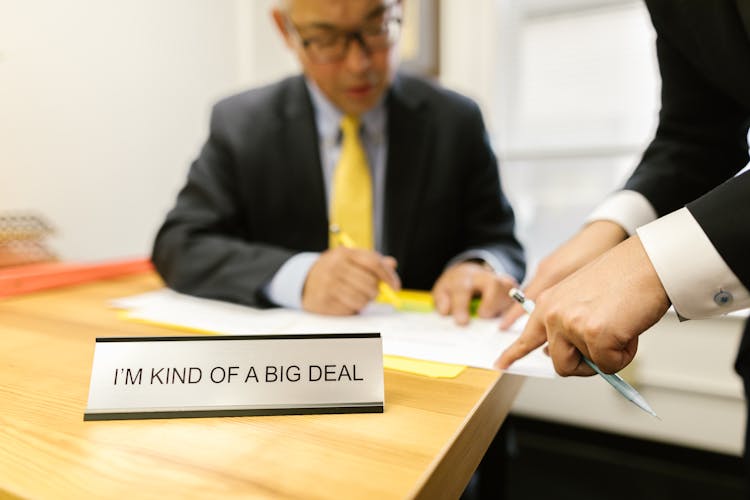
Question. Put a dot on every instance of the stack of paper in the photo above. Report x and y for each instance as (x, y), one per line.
(414, 335)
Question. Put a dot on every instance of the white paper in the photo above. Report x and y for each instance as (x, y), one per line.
(425, 336)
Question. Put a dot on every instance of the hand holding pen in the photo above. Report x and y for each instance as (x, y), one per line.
(613, 379)
(386, 291)
(342, 281)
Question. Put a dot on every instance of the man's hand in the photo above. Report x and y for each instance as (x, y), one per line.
(455, 288)
(598, 312)
(344, 280)
(593, 240)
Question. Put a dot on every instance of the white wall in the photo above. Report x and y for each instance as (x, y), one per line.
(263, 56)
(470, 51)
(103, 104)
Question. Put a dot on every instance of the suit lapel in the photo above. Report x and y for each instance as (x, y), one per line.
(406, 167)
(301, 155)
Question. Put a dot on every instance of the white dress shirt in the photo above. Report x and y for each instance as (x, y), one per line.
(697, 280)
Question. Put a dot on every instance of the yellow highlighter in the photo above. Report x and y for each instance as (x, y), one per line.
(422, 301)
(387, 293)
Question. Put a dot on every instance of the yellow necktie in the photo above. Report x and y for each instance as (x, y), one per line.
(351, 204)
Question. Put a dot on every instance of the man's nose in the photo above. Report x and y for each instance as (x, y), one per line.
(358, 56)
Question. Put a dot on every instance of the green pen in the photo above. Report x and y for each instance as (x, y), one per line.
(614, 379)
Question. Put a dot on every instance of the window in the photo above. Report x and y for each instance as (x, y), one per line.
(579, 98)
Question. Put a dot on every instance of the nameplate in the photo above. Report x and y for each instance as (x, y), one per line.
(232, 375)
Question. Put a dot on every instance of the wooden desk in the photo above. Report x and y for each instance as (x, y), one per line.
(427, 443)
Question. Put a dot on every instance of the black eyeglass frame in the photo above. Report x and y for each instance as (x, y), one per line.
(390, 26)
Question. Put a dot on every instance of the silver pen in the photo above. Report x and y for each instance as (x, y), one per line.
(614, 379)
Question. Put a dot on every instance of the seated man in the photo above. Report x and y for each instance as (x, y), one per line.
(409, 176)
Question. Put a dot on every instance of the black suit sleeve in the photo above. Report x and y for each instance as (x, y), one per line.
(203, 248)
(700, 143)
(723, 214)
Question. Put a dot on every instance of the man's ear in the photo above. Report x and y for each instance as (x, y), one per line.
(279, 19)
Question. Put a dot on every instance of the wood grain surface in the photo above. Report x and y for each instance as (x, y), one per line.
(426, 444)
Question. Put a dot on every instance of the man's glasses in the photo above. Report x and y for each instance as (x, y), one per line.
(331, 45)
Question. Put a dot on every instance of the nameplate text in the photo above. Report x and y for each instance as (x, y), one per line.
(231, 375)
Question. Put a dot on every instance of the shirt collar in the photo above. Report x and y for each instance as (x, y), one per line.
(328, 117)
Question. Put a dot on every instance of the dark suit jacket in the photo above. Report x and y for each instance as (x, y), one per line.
(255, 195)
(701, 141)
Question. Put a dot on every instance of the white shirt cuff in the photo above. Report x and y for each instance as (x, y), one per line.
(285, 288)
(629, 209)
(697, 280)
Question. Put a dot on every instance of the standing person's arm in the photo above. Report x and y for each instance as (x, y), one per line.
(700, 143)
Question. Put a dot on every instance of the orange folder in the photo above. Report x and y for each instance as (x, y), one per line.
(30, 278)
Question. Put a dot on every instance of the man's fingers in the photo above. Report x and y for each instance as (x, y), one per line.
(568, 360)
(493, 294)
(381, 268)
(352, 298)
(511, 316)
(359, 279)
(460, 299)
(517, 350)
(532, 337)
(613, 358)
(390, 265)
(442, 300)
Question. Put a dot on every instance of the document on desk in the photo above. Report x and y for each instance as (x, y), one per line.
(425, 336)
